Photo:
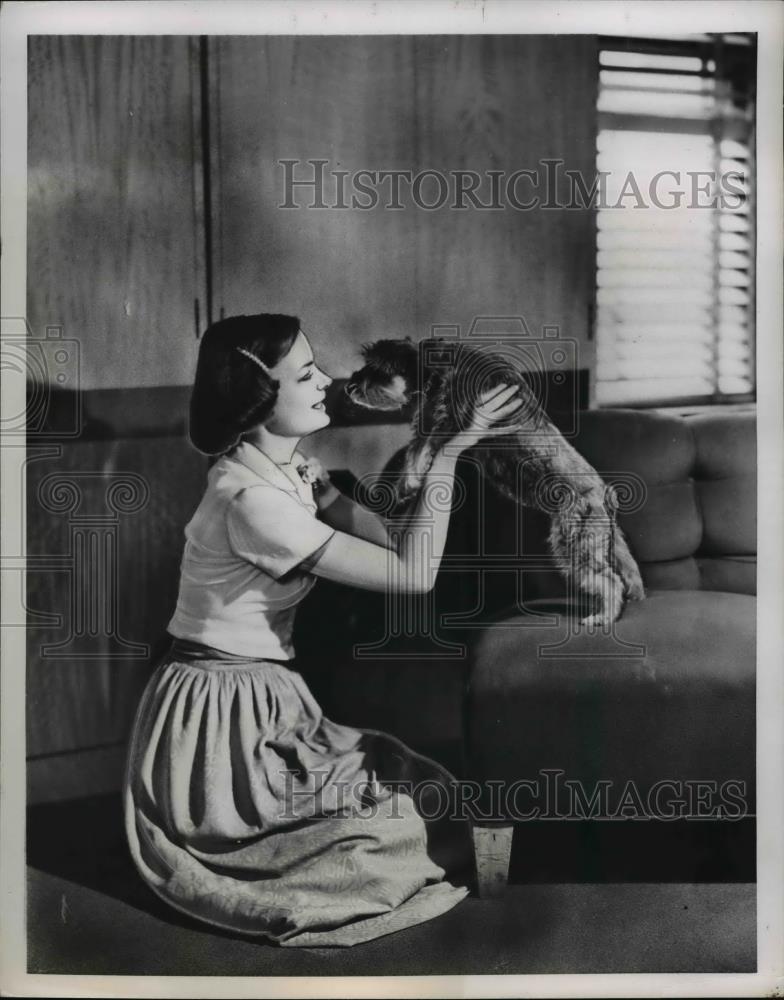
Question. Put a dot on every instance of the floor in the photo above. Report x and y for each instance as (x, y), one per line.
(534, 929)
(89, 913)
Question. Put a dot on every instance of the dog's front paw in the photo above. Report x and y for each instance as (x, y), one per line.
(635, 591)
(594, 622)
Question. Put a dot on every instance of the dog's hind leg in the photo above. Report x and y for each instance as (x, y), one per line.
(627, 568)
(596, 569)
(607, 587)
(581, 544)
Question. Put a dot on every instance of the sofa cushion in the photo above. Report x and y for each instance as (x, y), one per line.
(669, 524)
(696, 527)
(725, 474)
(542, 696)
(657, 447)
(731, 573)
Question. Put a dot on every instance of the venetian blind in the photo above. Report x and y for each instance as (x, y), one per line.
(675, 223)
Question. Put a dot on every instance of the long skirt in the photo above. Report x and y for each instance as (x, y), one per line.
(248, 809)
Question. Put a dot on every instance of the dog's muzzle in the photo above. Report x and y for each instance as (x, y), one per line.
(373, 398)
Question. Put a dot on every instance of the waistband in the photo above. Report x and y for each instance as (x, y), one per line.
(187, 650)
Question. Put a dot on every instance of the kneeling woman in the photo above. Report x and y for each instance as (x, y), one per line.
(245, 807)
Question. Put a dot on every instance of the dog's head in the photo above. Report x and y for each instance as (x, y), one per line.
(396, 377)
(389, 378)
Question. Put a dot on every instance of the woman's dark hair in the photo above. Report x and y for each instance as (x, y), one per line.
(231, 392)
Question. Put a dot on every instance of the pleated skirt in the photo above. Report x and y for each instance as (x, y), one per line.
(248, 809)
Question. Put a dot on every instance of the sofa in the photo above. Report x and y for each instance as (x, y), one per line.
(640, 738)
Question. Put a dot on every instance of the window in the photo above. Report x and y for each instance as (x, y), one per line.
(675, 221)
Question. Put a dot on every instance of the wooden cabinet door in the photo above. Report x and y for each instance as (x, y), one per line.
(509, 103)
(114, 239)
(349, 274)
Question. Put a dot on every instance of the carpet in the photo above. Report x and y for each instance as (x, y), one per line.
(73, 929)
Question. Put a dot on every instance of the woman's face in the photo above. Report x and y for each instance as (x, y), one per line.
(299, 408)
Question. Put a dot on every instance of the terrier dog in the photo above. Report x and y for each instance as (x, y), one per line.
(535, 466)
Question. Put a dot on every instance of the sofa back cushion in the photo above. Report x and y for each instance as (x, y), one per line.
(694, 523)
(693, 526)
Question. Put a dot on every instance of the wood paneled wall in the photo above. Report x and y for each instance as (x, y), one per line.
(348, 274)
(506, 103)
(115, 214)
(445, 103)
(114, 237)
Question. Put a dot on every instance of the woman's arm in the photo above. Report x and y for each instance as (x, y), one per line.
(411, 565)
(338, 510)
(346, 515)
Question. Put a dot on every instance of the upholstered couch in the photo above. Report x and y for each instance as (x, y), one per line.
(495, 679)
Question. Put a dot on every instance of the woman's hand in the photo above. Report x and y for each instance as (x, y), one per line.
(494, 405)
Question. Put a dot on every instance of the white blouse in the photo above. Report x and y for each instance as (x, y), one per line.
(238, 581)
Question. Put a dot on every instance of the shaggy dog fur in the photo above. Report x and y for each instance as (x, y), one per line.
(534, 466)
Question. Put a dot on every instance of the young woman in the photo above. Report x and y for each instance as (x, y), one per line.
(245, 807)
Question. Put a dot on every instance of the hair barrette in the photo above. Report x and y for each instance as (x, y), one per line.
(255, 360)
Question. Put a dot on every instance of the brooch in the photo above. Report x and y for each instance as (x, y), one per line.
(311, 472)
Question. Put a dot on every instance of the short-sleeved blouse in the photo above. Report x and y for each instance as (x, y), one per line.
(239, 586)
